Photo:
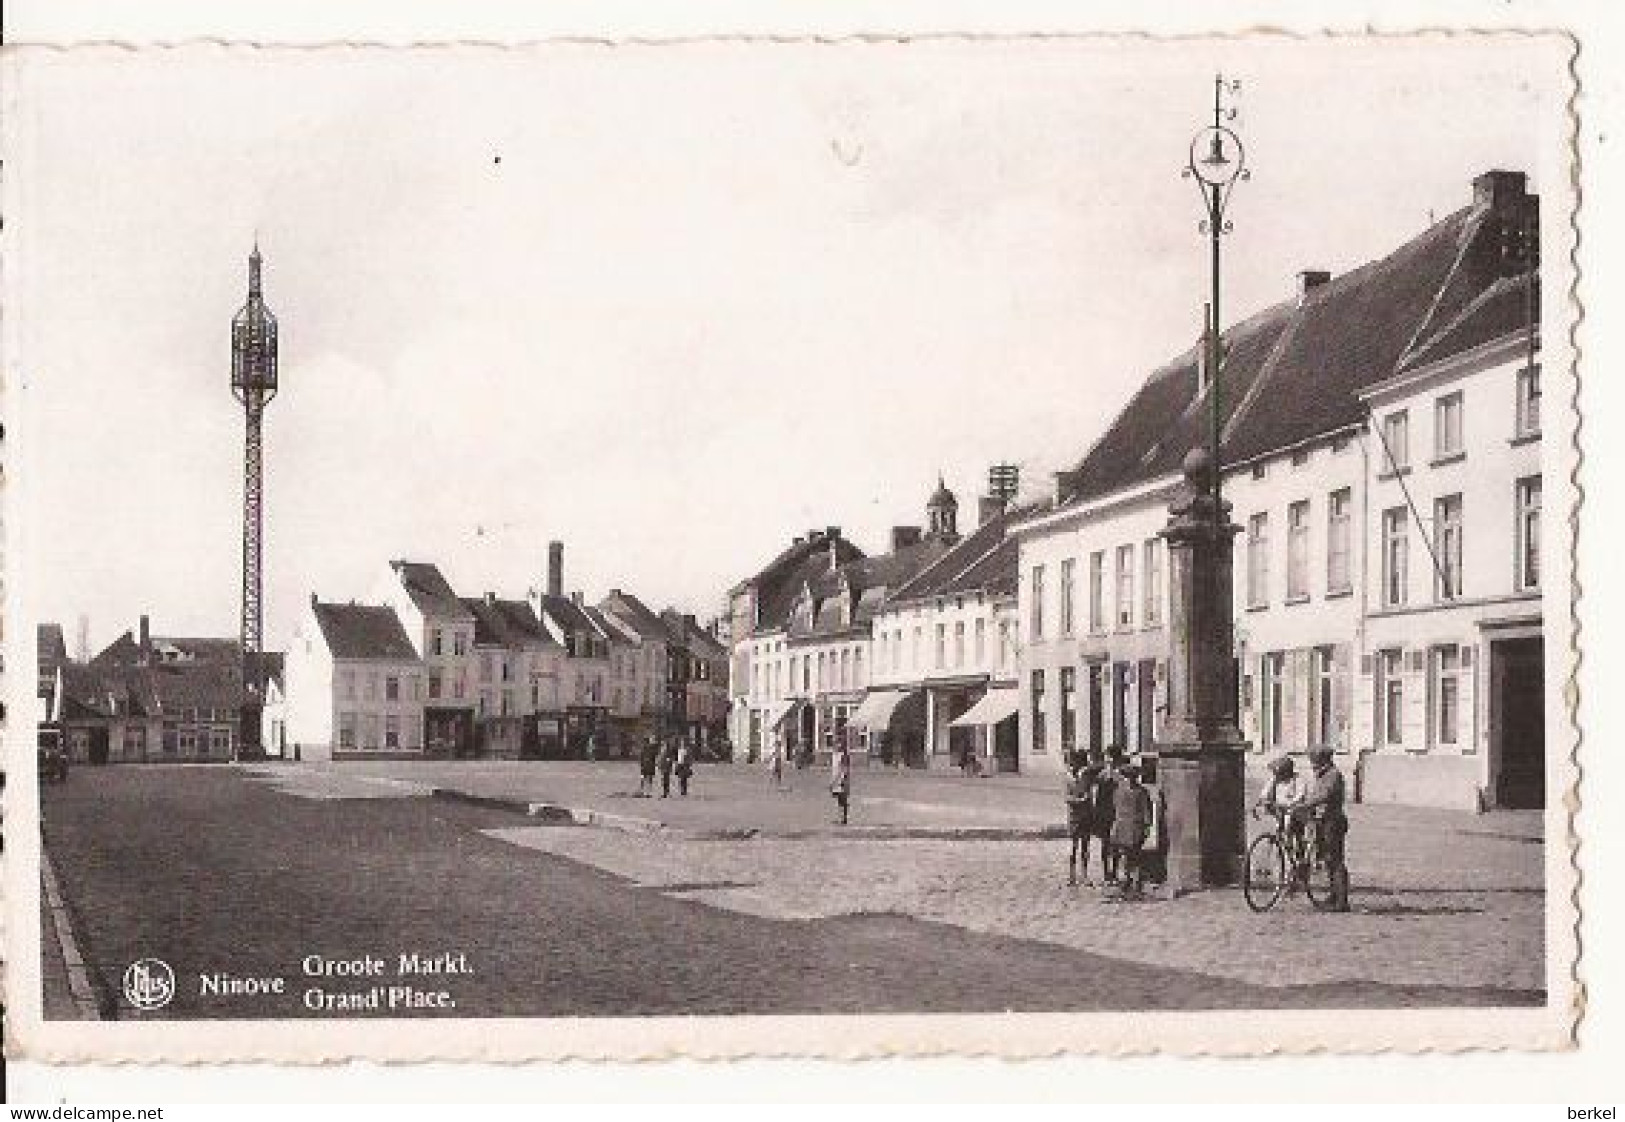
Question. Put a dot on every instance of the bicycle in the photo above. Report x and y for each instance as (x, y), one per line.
(1275, 853)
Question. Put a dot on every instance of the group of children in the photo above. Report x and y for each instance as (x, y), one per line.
(1112, 802)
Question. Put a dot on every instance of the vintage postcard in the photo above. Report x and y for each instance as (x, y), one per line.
(1004, 546)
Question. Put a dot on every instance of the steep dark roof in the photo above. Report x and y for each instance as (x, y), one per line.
(1168, 416)
(363, 631)
(570, 616)
(428, 589)
(977, 563)
(1500, 310)
(149, 691)
(126, 651)
(633, 615)
(777, 598)
(1296, 371)
(1351, 333)
(505, 623)
(868, 581)
(85, 692)
(609, 627)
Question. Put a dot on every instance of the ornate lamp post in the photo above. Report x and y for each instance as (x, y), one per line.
(1201, 751)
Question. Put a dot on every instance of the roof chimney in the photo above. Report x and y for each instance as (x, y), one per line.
(797, 540)
(988, 507)
(576, 598)
(1308, 281)
(144, 640)
(834, 556)
(832, 531)
(1500, 191)
(904, 536)
(555, 568)
(491, 598)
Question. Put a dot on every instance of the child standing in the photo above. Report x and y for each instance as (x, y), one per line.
(1131, 822)
(1080, 818)
(685, 766)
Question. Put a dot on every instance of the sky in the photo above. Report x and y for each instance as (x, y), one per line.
(671, 305)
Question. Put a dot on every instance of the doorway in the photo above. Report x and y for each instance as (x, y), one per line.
(1146, 676)
(1518, 722)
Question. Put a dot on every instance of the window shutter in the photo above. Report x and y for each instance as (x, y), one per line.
(1466, 657)
(1292, 699)
(1414, 727)
(1418, 661)
(1342, 690)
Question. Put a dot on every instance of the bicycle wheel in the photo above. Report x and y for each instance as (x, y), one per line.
(1317, 881)
(1264, 879)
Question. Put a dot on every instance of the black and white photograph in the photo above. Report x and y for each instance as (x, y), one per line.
(731, 547)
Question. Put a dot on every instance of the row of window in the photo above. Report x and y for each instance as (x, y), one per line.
(1449, 423)
(1118, 716)
(1444, 545)
(1124, 606)
(177, 738)
(1447, 667)
(955, 646)
(362, 731)
(1339, 534)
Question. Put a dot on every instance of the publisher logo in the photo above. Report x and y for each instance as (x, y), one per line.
(149, 983)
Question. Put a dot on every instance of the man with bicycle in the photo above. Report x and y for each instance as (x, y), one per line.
(1323, 806)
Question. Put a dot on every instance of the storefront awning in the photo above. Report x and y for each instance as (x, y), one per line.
(998, 704)
(780, 712)
(876, 711)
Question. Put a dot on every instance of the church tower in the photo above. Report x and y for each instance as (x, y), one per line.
(942, 513)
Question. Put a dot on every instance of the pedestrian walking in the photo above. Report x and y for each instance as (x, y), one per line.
(1323, 803)
(664, 762)
(647, 754)
(775, 762)
(1104, 807)
(1080, 818)
(685, 766)
(1131, 822)
(840, 781)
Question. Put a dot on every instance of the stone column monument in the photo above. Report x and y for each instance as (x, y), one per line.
(1200, 753)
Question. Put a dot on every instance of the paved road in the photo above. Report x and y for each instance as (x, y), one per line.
(215, 870)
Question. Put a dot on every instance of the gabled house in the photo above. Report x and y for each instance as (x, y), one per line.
(440, 628)
(356, 685)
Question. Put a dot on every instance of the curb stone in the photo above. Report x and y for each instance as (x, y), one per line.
(626, 823)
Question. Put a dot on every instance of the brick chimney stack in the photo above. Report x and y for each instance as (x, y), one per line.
(144, 640)
(555, 568)
(1308, 281)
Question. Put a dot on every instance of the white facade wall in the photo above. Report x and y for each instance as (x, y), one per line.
(1297, 647)
(760, 680)
(1095, 643)
(1427, 747)
(308, 679)
(377, 705)
(445, 642)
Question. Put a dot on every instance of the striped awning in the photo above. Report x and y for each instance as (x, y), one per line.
(876, 712)
(999, 704)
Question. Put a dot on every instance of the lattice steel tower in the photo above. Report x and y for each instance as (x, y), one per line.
(253, 383)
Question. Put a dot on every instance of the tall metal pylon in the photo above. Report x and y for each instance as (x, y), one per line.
(254, 384)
